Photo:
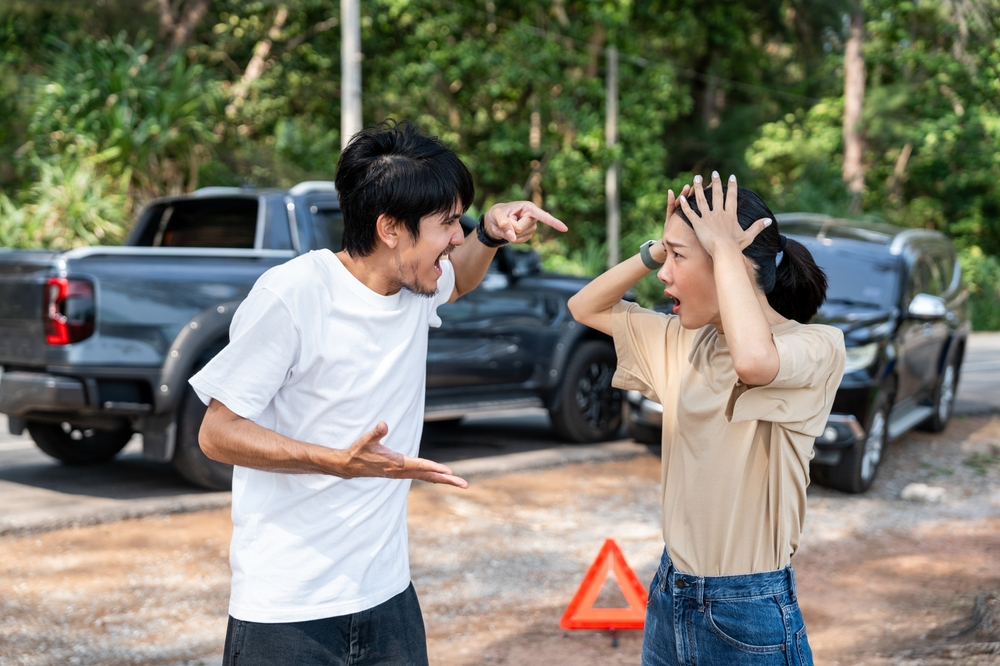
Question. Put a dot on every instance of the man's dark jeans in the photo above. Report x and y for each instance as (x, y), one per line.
(389, 634)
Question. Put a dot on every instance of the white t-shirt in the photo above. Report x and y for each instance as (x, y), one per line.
(317, 356)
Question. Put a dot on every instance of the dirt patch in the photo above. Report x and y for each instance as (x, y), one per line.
(495, 566)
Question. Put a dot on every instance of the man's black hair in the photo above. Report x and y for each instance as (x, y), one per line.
(396, 170)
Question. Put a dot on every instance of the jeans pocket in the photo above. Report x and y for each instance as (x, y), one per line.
(654, 587)
(802, 647)
(753, 625)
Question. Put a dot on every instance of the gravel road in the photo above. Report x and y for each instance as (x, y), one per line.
(496, 565)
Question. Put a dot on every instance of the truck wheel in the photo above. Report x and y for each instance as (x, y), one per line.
(589, 409)
(78, 446)
(188, 458)
(944, 398)
(859, 464)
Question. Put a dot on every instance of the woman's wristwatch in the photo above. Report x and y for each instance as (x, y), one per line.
(647, 257)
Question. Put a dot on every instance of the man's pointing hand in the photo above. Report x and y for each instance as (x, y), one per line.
(368, 457)
(516, 221)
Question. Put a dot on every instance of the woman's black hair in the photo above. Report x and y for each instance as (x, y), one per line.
(394, 169)
(796, 286)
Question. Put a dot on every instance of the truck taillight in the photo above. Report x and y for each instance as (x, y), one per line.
(68, 310)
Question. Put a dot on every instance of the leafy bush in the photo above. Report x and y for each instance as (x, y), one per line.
(70, 205)
(982, 278)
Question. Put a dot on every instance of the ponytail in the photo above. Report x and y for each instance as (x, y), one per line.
(799, 284)
(796, 286)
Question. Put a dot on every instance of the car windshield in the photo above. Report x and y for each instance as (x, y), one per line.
(855, 276)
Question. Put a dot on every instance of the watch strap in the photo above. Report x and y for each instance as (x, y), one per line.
(485, 238)
(647, 257)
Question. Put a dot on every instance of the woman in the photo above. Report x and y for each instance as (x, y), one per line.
(746, 386)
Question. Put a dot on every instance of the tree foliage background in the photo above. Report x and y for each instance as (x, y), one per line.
(107, 104)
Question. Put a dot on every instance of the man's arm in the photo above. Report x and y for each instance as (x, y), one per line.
(514, 221)
(230, 438)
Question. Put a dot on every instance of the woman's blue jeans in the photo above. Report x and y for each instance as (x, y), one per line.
(390, 634)
(751, 619)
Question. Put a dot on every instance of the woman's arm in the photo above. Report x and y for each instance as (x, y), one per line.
(592, 305)
(744, 321)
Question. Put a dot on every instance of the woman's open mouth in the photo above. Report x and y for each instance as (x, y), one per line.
(676, 307)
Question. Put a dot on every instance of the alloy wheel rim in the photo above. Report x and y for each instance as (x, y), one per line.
(947, 393)
(596, 399)
(873, 446)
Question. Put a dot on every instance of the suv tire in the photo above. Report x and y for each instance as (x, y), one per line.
(588, 408)
(944, 397)
(189, 460)
(859, 464)
(78, 446)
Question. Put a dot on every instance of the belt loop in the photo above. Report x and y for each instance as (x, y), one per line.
(701, 592)
(791, 582)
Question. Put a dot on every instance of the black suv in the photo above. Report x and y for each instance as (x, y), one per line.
(897, 295)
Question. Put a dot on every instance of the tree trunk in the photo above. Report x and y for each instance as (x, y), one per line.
(854, 97)
(258, 62)
(179, 19)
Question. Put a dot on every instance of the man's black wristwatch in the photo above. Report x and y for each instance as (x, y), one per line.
(647, 258)
(484, 238)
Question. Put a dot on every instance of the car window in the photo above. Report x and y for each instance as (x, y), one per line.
(945, 262)
(925, 278)
(855, 276)
(328, 227)
(222, 223)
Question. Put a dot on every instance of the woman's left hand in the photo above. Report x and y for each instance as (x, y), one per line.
(719, 225)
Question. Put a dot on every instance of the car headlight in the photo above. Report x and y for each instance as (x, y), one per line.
(859, 358)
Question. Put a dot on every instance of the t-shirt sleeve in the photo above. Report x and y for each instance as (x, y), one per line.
(264, 346)
(643, 339)
(446, 286)
(801, 395)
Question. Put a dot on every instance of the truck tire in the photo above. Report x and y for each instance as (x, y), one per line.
(78, 446)
(588, 408)
(189, 460)
(858, 465)
(944, 397)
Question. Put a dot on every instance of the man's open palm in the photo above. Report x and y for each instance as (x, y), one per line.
(368, 457)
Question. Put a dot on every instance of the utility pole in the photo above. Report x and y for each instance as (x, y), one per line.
(350, 71)
(611, 194)
(854, 98)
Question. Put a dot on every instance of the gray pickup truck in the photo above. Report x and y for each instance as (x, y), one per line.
(97, 343)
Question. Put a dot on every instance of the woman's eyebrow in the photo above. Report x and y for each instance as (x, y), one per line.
(674, 243)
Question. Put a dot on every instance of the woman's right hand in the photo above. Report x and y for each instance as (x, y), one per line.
(672, 204)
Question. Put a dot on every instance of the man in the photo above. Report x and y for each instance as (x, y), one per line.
(318, 401)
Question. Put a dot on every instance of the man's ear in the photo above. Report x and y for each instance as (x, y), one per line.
(387, 228)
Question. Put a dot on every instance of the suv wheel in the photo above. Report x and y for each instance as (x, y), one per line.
(78, 446)
(859, 464)
(188, 459)
(589, 409)
(944, 398)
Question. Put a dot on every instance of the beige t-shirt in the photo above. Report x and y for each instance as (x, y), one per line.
(735, 458)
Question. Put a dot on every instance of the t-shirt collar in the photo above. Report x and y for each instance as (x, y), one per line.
(359, 288)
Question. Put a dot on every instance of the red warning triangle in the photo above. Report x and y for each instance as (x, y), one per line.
(581, 614)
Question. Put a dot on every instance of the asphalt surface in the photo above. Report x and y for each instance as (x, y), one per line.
(38, 493)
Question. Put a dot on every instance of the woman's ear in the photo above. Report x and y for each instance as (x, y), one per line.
(752, 272)
(387, 229)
